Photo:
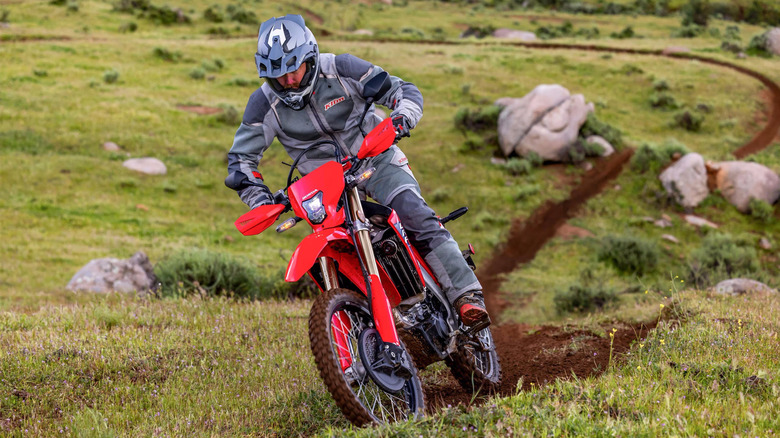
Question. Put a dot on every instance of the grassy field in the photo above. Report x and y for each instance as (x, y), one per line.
(85, 365)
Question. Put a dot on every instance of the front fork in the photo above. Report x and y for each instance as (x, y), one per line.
(380, 305)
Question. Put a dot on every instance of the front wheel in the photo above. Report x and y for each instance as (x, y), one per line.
(475, 364)
(337, 319)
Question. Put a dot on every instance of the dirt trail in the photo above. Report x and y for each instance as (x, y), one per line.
(542, 354)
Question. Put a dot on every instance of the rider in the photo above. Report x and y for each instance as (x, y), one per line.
(309, 96)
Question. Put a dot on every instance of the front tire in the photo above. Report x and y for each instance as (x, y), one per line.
(345, 314)
(475, 364)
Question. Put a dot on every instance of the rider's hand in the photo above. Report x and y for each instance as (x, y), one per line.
(255, 196)
(401, 124)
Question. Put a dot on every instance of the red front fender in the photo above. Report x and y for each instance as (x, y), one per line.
(309, 250)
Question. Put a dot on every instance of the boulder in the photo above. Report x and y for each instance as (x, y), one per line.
(149, 166)
(109, 274)
(740, 286)
(741, 181)
(601, 141)
(546, 121)
(514, 34)
(111, 146)
(686, 180)
(773, 40)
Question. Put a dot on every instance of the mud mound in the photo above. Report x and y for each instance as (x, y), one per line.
(539, 355)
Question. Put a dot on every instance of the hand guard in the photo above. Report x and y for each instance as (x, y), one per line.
(255, 196)
(402, 128)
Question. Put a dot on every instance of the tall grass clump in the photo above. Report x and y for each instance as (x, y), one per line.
(629, 254)
(651, 157)
(761, 210)
(583, 298)
(722, 256)
(594, 126)
(207, 273)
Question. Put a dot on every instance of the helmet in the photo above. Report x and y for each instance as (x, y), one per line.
(283, 45)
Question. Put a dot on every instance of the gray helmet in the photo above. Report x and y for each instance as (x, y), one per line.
(283, 45)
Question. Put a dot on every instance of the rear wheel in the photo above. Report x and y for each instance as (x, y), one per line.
(475, 364)
(337, 319)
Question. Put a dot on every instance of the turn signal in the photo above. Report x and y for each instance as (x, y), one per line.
(365, 175)
(286, 225)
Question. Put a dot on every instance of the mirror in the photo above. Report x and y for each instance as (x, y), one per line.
(377, 86)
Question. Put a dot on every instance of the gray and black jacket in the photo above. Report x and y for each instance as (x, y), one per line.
(333, 113)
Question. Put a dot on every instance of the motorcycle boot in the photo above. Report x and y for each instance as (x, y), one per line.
(472, 311)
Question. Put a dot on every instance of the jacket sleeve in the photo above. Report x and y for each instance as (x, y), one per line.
(404, 98)
(251, 140)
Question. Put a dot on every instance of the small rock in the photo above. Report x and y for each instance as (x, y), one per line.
(648, 219)
(670, 238)
(228, 238)
(458, 168)
(497, 161)
(365, 32)
(141, 207)
(765, 243)
(740, 286)
(586, 166)
(666, 217)
(149, 166)
(601, 141)
(699, 222)
(514, 34)
(662, 223)
(111, 146)
(617, 187)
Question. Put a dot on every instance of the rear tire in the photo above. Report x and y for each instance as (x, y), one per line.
(477, 371)
(360, 399)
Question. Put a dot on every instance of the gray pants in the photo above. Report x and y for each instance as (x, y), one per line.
(394, 185)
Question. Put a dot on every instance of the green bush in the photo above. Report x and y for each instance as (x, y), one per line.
(759, 46)
(130, 26)
(629, 254)
(166, 55)
(229, 116)
(721, 256)
(661, 85)
(696, 12)
(110, 76)
(663, 100)
(761, 210)
(689, 31)
(652, 157)
(518, 166)
(483, 119)
(627, 32)
(594, 126)
(206, 273)
(689, 120)
(579, 298)
(197, 73)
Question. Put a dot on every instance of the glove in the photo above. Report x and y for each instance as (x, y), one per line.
(255, 196)
(402, 128)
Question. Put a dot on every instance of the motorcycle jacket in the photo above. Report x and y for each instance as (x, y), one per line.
(333, 113)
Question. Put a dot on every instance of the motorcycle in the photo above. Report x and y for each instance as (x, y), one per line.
(381, 315)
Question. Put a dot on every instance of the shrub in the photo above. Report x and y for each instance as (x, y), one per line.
(128, 27)
(206, 273)
(479, 120)
(627, 32)
(664, 101)
(40, 73)
(518, 166)
(688, 120)
(229, 116)
(661, 85)
(580, 298)
(730, 46)
(197, 73)
(651, 157)
(722, 256)
(214, 14)
(167, 55)
(527, 191)
(629, 254)
(689, 31)
(696, 12)
(761, 210)
(241, 15)
(759, 46)
(594, 126)
(110, 76)
(4, 13)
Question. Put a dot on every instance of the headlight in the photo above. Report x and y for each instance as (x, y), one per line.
(314, 208)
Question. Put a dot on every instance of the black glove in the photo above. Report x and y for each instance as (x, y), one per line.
(402, 128)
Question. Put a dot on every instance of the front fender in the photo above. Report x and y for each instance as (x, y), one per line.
(309, 250)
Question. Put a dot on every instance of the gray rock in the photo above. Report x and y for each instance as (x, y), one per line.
(741, 181)
(546, 121)
(675, 49)
(740, 286)
(110, 274)
(601, 141)
(670, 238)
(764, 243)
(686, 180)
(366, 32)
(662, 223)
(111, 146)
(773, 40)
(514, 34)
(698, 221)
(149, 166)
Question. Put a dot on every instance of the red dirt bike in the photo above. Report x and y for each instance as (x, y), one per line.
(381, 314)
